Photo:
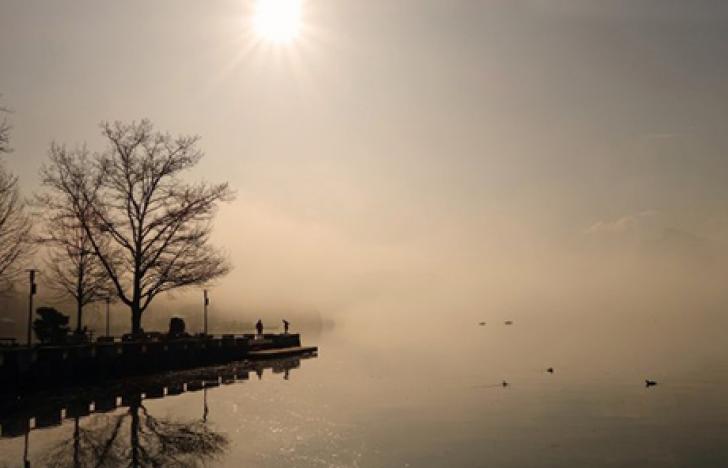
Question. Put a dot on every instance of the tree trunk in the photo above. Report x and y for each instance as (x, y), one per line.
(136, 320)
(136, 302)
(79, 315)
(76, 443)
(134, 435)
(79, 298)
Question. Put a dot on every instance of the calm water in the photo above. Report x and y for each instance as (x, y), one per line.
(426, 399)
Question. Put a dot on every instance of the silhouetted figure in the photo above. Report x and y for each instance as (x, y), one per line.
(550, 370)
(285, 326)
(650, 383)
(205, 409)
(259, 327)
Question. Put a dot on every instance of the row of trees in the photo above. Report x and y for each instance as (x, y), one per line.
(118, 223)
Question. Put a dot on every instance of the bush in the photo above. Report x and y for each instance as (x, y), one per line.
(51, 327)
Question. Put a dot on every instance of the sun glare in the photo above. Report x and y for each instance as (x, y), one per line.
(277, 20)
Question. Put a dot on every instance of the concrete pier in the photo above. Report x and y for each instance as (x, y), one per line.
(45, 366)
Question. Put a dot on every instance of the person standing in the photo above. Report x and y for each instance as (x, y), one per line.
(285, 326)
(259, 327)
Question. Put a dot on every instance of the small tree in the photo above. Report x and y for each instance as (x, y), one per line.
(149, 230)
(51, 327)
(73, 266)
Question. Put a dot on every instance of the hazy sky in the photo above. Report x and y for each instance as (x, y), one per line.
(466, 155)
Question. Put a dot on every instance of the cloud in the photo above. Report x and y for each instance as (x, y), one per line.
(621, 225)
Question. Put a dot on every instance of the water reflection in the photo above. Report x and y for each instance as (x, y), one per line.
(136, 438)
(112, 426)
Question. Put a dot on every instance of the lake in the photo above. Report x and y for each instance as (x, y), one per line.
(407, 398)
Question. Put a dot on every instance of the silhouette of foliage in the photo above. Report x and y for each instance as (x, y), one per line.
(51, 327)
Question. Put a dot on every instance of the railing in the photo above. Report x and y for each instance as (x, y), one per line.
(8, 341)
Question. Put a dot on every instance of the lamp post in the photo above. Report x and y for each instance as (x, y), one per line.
(206, 303)
(108, 300)
(33, 289)
(26, 462)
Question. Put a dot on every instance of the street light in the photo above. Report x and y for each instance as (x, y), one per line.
(206, 302)
(33, 290)
(108, 300)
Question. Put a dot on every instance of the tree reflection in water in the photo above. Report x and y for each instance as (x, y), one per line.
(136, 438)
(130, 436)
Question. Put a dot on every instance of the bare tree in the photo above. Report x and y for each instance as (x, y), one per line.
(15, 224)
(5, 128)
(149, 229)
(74, 268)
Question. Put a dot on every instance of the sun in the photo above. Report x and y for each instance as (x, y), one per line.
(277, 21)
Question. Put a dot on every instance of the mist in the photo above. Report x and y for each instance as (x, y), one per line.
(500, 159)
